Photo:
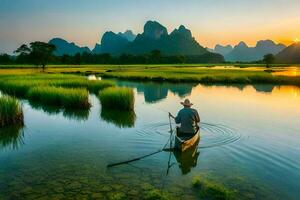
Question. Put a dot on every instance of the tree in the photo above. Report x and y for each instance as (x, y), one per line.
(155, 56)
(77, 59)
(41, 53)
(38, 53)
(269, 59)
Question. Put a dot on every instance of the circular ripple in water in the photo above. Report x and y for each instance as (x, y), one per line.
(212, 135)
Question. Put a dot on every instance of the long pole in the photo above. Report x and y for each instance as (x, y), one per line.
(150, 154)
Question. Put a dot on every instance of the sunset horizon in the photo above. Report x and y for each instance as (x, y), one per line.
(224, 22)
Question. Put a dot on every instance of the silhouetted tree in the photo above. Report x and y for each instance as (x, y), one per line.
(77, 59)
(41, 53)
(269, 59)
(155, 56)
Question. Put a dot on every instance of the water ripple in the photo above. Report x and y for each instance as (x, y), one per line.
(212, 135)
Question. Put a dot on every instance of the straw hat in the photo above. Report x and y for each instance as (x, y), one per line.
(186, 103)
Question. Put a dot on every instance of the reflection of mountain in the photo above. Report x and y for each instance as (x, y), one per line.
(122, 119)
(11, 137)
(266, 88)
(154, 92)
(76, 114)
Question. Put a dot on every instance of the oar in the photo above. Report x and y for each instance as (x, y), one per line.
(145, 156)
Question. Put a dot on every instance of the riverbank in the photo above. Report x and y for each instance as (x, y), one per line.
(208, 74)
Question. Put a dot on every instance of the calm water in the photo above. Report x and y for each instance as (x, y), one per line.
(250, 141)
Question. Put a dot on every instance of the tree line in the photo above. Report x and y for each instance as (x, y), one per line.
(41, 54)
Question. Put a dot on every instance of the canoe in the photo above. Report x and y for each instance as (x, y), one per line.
(183, 143)
(188, 159)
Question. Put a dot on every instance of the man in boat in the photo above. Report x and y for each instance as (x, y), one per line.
(188, 118)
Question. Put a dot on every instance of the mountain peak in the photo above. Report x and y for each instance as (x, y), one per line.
(154, 30)
(128, 34)
(265, 43)
(182, 31)
(242, 44)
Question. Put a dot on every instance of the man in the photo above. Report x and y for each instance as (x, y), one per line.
(188, 118)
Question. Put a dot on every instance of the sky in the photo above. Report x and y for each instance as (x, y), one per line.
(211, 21)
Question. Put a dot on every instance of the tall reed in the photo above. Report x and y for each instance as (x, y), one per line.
(67, 98)
(117, 98)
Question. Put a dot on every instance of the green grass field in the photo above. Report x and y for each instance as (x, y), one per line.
(200, 73)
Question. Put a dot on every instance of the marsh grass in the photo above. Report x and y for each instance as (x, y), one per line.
(20, 85)
(18, 88)
(117, 98)
(11, 112)
(67, 98)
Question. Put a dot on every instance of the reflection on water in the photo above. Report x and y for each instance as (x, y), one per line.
(11, 137)
(154, 92)
(122, 119)
(188, 159)
(289, 71)
(74, 114)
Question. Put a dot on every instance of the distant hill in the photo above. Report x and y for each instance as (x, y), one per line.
(154, 37)
(114, 43)
(223, 50)
(289, 55)
(243, 53)
(64, 47)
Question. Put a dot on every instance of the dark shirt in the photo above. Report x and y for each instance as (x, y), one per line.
(188, 119)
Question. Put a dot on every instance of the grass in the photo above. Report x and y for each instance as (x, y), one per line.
(117, 98)
(19, 85)
(212, 190)
(67, 98)
(11, 112)
(200, 73)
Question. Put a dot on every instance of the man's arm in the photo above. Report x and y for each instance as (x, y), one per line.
(197, 117)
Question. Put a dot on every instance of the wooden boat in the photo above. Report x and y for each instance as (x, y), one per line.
(188, 159)
(183, 143)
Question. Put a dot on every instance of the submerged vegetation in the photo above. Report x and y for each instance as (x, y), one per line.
(117, 98)
(212, 190)
(11, 112)
(156, 194)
